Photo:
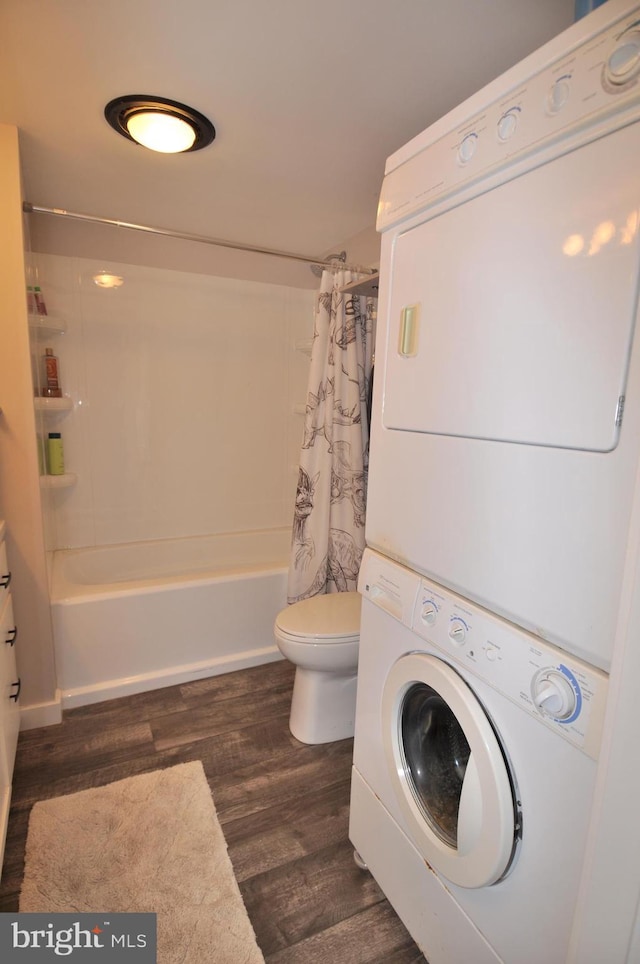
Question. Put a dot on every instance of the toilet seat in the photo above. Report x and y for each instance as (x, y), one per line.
(327, 618)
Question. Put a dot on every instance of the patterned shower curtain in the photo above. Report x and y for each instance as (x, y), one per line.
(329, 514)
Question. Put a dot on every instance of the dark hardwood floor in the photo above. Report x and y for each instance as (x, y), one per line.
(283, 807)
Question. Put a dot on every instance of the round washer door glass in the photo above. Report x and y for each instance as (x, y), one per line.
(435, 752)
(448, 772)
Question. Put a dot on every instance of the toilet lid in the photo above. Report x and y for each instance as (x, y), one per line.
(328, 616)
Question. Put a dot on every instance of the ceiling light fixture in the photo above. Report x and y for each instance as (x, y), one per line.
(159, 124)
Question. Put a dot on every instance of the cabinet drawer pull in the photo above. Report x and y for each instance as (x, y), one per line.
(5, 580)
(11, 636)
(14, 696)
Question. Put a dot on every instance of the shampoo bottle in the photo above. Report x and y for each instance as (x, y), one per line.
(55, 454)
(51, 381)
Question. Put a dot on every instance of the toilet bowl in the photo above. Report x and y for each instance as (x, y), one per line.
(321, 636)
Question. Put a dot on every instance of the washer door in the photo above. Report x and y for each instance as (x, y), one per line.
(448, 771)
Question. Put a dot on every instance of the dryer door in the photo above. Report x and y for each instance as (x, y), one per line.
(512, 314)
(449, 772)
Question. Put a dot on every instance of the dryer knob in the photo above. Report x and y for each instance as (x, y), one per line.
(558, 96)
(467, 148)
(554, 695)
(507, 125)
(623, 63)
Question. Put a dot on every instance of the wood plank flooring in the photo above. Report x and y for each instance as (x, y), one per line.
(283, 807)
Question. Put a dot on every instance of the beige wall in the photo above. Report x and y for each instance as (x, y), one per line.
(61, 236)
(20, 504)
(362, 249)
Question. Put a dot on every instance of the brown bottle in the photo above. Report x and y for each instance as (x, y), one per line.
(51, 385)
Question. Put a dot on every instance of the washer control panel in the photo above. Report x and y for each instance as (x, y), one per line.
(564, 693)
(593, 83)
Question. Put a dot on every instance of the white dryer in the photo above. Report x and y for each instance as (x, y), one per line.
(506, 416)
(474, 769)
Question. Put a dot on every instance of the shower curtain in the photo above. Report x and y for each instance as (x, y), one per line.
(329, 514)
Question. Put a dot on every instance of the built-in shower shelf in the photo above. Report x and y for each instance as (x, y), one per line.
(52, 406)
(366, 286)
(58, 481)
(47, 325)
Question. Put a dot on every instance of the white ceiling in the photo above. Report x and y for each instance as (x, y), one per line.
(308, 100)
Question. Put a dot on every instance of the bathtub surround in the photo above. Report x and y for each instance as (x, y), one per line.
(183, 388)
(147, 843)
(329, 514)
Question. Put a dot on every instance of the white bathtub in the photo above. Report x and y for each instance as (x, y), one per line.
(135, 617)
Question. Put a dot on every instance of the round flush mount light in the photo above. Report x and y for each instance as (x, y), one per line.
(159, 124)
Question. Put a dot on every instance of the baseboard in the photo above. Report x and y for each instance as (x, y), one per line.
(41, 714)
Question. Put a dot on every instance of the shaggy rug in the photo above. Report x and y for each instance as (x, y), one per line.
(148, 843)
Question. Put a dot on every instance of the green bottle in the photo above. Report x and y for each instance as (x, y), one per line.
(55, 454)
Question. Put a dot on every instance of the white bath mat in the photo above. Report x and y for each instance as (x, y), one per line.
(148, 843)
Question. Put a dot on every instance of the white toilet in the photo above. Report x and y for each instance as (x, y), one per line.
(321, 636)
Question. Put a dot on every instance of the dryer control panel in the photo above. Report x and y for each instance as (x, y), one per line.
(597, 79)
(561, 691)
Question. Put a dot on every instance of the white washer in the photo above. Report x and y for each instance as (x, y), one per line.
(474, 769)
(506, 417)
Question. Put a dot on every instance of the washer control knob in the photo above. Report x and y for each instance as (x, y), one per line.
(554, 695)
(623, 63)
(429, 613)
(457, 631)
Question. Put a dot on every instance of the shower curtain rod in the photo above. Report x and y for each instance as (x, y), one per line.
(29, 208)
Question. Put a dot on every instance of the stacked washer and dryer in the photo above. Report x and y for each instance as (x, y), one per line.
(504, 453)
